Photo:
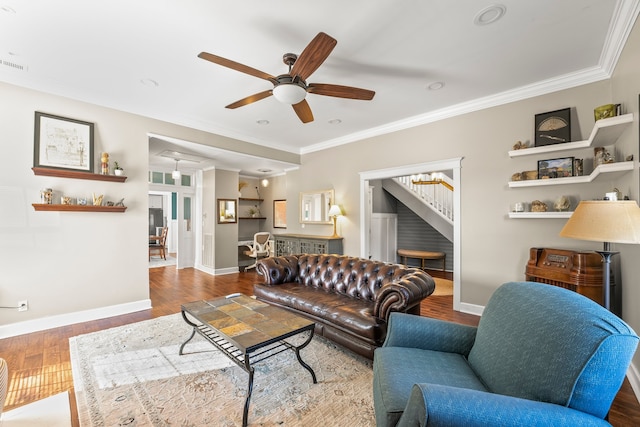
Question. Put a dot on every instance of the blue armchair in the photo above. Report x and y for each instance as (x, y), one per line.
(540, 356)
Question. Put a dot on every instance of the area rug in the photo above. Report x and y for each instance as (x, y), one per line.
(133, 375)
(443, 287)
(157, 261)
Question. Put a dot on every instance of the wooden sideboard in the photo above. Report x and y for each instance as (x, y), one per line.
(287, 244)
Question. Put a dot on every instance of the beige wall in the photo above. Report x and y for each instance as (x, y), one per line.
(74, 266)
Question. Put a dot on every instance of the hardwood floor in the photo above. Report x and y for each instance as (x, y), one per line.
(39, 363)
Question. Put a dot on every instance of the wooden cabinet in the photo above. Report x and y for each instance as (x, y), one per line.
(288, 244)
(605, 132)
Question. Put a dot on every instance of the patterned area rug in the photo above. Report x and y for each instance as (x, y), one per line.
(133, 375)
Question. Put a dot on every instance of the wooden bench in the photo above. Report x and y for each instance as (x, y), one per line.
(422, 256)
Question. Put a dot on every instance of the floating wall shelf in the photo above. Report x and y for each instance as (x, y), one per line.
(605, 132)
(611, 169)
(61, 173)
(77, 208)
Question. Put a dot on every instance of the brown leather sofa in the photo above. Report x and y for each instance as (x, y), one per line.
(349, 298)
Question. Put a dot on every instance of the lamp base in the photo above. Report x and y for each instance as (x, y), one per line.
(606, 277)
(335, 231)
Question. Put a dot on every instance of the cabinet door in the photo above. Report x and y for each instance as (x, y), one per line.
(308, 246)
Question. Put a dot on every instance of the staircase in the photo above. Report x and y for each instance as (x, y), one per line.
(433, 203)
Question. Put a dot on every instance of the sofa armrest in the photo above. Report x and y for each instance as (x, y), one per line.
(439, 405)
(403, 294)
(277, 270)
(408, 330)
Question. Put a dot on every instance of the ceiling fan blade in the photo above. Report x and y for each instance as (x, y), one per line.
(250, 99)
(340, 91)
(313, 55)
(236, 66)
(303, 111)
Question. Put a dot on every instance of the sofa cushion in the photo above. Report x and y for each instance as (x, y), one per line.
(523, 327)
(395, 373)
(350, 314)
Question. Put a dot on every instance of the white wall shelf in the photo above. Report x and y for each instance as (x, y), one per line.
(605, 132)
(539, 215)
(611, 170)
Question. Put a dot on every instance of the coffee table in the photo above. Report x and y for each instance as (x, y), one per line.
(247, 331)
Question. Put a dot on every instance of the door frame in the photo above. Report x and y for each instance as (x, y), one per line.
(365, 208)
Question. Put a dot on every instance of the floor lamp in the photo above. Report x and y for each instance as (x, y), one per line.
(608, 222)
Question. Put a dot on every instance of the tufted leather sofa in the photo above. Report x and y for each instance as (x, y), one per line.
(350, 299)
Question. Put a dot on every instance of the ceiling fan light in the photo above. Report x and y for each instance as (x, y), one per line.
(289, 93)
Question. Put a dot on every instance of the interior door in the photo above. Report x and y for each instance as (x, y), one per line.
(186, 241)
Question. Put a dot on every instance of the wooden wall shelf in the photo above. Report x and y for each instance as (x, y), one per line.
(77, 208)
(61, 173)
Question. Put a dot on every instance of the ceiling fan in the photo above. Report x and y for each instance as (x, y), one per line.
(292, 88)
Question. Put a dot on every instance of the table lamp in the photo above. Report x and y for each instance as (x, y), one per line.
(608, 222)
(334, 212)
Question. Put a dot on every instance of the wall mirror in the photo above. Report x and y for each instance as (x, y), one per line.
(314, 207)
(227, 211)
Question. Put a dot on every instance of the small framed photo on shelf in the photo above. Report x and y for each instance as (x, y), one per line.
(62, 143)
(555, 168)
(227, 211)
(553, 127)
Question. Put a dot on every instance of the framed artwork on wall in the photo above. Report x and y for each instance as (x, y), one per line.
(555, 168)
(227, 211)
(63, 143)
(279, 214)
(553, 127)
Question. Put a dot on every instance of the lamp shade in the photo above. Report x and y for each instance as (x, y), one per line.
(289, 93)
(604, 221)
(335, 210)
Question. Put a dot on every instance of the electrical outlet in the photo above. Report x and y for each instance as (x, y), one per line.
(23, 305)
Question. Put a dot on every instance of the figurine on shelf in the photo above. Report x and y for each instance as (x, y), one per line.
(538, 206)
(104, 159)
(120, 203)
(97, 200)
(562, 204)
(519, 145)
(46, 196)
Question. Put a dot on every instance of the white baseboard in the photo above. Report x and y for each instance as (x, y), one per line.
(633, 375)
(471, 308)
(57, 321)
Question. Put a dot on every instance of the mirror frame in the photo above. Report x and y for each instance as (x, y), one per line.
(227, 211)
(328, 194)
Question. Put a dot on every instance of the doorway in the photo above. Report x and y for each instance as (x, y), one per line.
(452, 165)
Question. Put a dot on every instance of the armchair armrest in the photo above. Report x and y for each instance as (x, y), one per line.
(403, 294)
(277, 270)
(439, 405)
(407, 330)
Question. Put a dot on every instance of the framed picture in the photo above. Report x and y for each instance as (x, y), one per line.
(553, 127)
(62, 143)
(227, 211)
(279, 214)
(555, 168)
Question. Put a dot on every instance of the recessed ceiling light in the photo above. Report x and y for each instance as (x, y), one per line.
(262, 122)
(149, 82)
(335, 121)
(490, 14)
(436, 86)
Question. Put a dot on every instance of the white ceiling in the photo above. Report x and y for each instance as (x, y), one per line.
(102, 52)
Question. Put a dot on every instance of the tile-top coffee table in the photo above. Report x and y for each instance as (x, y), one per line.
(247, 331)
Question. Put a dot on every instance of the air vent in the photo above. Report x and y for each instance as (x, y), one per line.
(14, 65)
